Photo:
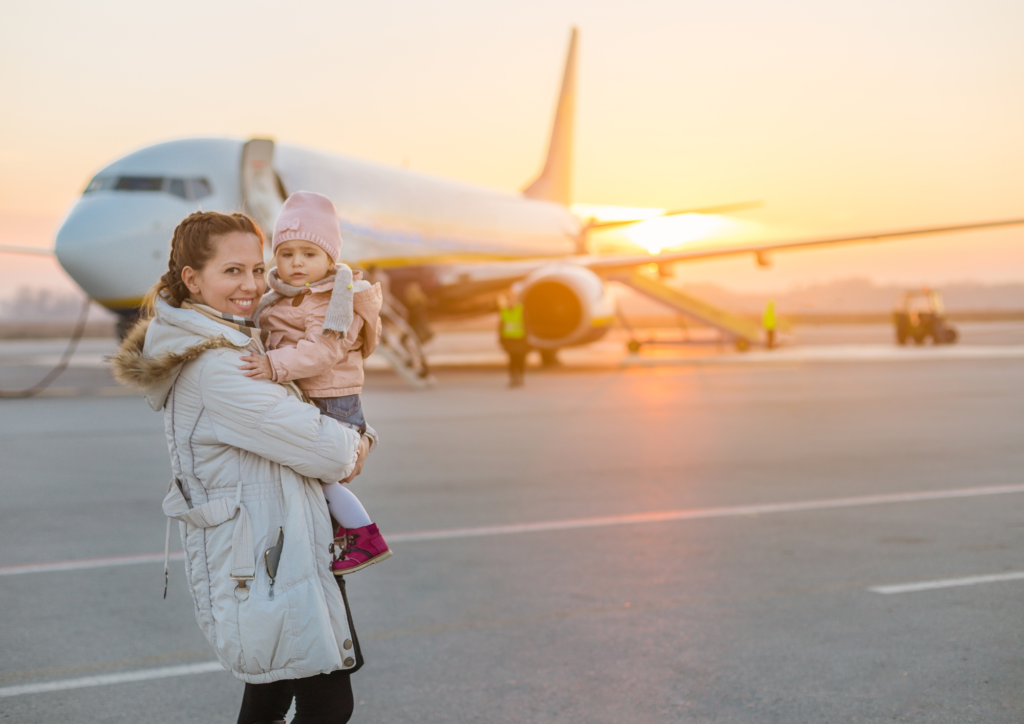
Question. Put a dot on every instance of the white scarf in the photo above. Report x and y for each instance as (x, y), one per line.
(340, 312)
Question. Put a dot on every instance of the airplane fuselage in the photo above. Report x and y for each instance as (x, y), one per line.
(114, 241)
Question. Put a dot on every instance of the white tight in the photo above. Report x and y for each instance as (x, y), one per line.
(345, 506)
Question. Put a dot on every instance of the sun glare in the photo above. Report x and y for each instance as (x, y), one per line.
(672, 231)
(656, 233)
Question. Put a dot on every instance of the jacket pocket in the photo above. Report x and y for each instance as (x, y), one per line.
(175, 504)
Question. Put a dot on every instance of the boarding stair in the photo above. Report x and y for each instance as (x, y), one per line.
(742, 331)
(400, 346)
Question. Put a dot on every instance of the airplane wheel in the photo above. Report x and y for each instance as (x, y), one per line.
(549, 358)
(124, 325)
(633, 346)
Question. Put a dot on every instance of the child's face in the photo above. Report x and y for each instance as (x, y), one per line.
(302, 262)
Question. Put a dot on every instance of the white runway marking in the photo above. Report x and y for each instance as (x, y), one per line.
(840, 353)
(165, 672)
(574, 523)
(947, 583)
(81, 563)
(698, 513)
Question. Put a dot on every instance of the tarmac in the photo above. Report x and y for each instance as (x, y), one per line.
(828, 532)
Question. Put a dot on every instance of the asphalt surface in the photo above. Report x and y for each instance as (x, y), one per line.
(741, 615)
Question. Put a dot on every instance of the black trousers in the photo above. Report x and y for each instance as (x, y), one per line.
(321, 699)
(517, 350)
(517, 364)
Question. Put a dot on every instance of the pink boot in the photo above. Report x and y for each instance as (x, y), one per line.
(357, 548)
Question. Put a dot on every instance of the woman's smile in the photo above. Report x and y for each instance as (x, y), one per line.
(244, 305)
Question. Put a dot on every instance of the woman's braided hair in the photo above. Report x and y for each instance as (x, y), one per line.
(193, 245)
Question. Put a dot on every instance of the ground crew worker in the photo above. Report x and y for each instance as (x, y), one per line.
(770, 323)
(512, 335)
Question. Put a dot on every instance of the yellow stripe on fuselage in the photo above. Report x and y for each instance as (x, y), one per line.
(122, 305)
(439, 259)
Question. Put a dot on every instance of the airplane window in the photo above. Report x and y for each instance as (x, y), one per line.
(101, 183)
(140, 183)
(200, 188)
(191, 189)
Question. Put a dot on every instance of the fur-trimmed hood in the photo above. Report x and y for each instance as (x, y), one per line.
(151, 356)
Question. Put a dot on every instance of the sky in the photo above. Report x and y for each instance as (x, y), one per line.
(842, 117)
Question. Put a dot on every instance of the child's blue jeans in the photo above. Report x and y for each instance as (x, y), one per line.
(347, 410)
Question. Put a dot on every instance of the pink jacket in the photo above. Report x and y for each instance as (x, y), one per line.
(322, 366)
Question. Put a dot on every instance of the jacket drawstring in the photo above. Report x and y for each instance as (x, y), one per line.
(167, 556)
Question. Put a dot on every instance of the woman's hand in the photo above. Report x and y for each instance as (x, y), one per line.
(258, 367)
(364, 450)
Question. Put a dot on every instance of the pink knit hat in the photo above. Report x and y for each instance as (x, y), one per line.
(309, 216)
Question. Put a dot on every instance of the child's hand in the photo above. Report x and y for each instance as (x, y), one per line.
(258, 367)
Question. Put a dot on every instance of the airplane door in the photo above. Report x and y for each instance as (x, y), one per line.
(262, 194)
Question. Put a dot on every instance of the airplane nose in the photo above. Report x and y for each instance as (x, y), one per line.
(115, 244)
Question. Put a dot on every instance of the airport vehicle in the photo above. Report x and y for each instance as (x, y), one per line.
(457, 246)
(920, 314)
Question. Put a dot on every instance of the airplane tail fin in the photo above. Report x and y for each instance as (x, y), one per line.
(554, 183)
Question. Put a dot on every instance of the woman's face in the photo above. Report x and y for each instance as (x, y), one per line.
(232, 281)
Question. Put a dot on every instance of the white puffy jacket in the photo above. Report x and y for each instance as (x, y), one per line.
(246, 457)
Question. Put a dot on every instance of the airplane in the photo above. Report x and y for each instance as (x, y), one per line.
(445, 249)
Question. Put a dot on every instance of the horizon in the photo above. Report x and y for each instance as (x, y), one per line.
(844, 295)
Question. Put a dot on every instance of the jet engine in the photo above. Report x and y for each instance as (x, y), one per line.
(564, 305)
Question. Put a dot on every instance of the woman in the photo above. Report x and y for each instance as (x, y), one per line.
(246, 457)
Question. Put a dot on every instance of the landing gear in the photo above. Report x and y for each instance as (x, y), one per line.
(549, 358)
(125, 322)
(634, 345)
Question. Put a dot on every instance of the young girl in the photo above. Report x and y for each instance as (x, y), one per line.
(323, 319)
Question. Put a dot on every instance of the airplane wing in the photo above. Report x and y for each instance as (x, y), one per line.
(22, 249)
(479, 278)
(760, 251)
(594, 225)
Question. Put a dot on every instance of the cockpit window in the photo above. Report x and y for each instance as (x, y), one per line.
(190, 189)
(101, 183)
(140, 183)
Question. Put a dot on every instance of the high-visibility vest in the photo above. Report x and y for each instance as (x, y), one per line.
(769, 321)
(512, 326)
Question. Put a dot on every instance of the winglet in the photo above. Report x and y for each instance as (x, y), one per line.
(555, 180)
